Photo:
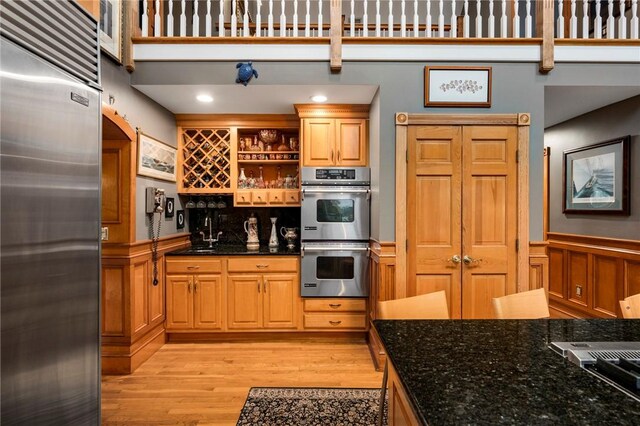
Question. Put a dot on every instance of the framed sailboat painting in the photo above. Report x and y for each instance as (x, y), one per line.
(596, 178)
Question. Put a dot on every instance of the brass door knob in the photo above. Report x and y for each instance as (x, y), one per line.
(455, 259)
(468, 260)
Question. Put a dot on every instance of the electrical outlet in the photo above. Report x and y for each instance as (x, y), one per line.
(104, 233)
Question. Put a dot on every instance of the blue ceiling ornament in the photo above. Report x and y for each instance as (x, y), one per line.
(245, 73)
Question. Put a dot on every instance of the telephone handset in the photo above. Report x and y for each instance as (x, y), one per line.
(155, 200)
(155, 204)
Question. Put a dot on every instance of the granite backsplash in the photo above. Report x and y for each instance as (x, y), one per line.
(230, 220)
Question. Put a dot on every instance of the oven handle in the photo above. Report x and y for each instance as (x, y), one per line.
(336, 191)
(332, 248)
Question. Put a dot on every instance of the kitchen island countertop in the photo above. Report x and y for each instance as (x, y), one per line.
(502, 371)
(235, 249)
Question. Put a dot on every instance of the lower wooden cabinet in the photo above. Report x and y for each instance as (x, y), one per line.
(400, 412)
(194, 302)
(335, 314)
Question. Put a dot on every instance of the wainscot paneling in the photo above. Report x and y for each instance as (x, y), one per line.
(588, 276)
(382, 287)
(132, 307)
(538, 266)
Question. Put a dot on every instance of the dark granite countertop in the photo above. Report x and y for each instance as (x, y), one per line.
(234, 249)
(491, 372)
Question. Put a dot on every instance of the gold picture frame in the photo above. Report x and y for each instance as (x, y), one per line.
(156, 159)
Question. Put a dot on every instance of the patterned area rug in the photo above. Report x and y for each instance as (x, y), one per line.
(311, 407)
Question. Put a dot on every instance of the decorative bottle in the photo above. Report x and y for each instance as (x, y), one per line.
(242, 179)
(273, 239)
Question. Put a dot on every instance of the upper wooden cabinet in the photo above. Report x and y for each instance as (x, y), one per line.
(334, 135)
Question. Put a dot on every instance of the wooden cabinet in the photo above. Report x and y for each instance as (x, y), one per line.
(335, 314)
(194, 294)
(204, 160)
(400, 409)
(263, 293)
(334, 135)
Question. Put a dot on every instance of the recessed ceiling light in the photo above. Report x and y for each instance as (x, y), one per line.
(319, 98)
(204, 98)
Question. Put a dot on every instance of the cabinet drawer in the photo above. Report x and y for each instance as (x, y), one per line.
(261, 264)
(292, 197)
(335, 305)
(259, 197)
(243, 197)
(335, 321)
(276, 197)
(193, 265)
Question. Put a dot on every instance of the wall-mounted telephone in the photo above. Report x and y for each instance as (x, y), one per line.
(155, 200)
(155, 204)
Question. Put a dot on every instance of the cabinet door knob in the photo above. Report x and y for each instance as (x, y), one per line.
(266, 282)
(338, 156)
(193, 267)
(335, 322)
(189, 287)
(335, 305)
(258, 286)
(262, 266)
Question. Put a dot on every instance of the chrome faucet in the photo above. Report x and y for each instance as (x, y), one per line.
(210, 240)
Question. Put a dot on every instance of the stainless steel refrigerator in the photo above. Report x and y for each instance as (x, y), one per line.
(49, 234)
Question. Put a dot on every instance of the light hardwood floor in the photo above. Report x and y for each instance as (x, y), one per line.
(207, 383)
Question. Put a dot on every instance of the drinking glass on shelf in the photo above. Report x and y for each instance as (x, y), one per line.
(221, 204)
(201, 204)
(190, 204)
(211, 204)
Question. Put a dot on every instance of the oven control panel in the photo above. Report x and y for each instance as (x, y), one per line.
(336, 176)
(343, 174)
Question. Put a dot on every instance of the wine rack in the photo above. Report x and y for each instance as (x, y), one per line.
(206, 161)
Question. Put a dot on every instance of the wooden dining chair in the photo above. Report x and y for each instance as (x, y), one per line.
(426, 306)
(525, 305)
(631, 307)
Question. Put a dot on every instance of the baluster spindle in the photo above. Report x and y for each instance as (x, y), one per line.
(611, 21)
(516, 19)
(270, 20)
(234, 19)
(307, 20)
(295, 18)
(157, 21)
(491, 23)
(183, 19)
(454, 20)
(258, 32)
(503, 20)
(207, 20)
(378, 20)
(283, 20)
(598, 21)
(352, 20)
(403, 20)
(560, 20)
(622, 21)
(145, 19)
(465, 20)
(441, 19)
(390, 19)
(635, 31)
(427, 31)
(573, 21)
(478, 19)
(245, 19)
(221, 29)
(195, 20)
(528, 22)
(365, 20)
(170, 20)
(416, 19)
(320, 18)
(585, 19)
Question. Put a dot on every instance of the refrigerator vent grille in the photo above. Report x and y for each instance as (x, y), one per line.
(58, 31)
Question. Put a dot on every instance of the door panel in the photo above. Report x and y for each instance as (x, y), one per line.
(434, 211)
(156, 297)
(462, 201)
(489, 224)
(179, 302)
(319, 142)
(244, 301)
(352, 142)
(207, 302)
(280, 301)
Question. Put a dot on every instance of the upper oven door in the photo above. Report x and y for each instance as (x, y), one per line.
(335, 213)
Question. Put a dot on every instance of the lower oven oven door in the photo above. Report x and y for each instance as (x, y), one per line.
(335, 213)
(331, 269)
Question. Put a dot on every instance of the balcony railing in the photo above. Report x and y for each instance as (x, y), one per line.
(372, 21)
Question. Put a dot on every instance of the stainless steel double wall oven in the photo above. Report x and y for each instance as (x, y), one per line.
(335, 231)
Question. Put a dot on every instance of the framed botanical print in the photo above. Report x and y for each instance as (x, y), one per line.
(453, 86)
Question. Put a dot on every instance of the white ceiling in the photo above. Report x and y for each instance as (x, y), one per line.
(562, 103)
(252, 99)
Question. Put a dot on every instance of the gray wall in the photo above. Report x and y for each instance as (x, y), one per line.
(616, 120)
(156, 121)
(516, 88)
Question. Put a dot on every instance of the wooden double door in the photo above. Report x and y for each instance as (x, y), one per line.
(462, 214)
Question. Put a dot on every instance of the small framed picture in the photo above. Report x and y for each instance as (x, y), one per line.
(169, 207)
(180, 219)
(450, 86)
(596, 178)
(111, 28)
(156, 159)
